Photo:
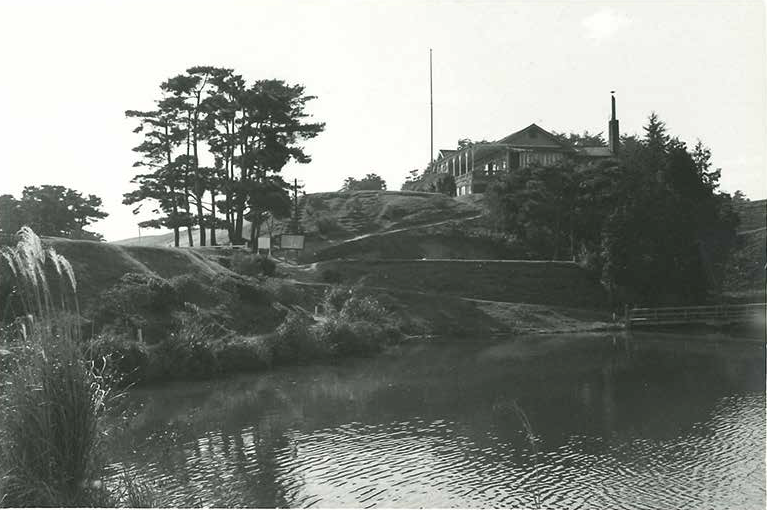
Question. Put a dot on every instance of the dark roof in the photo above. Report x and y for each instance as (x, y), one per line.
(534, 137)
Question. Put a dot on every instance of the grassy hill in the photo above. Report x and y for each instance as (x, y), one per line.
(753, 215)
(340, 215)
(562, 284)
(99, 266)
(421, 297)
(745, 276)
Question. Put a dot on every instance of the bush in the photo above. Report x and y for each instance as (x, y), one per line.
(242, 354)
(295, 339)
(250, 264)
(50, 426)
(331, 276)
(365, 308)
(202, 291)
(128, 357)
(335, 297)
(186, 353)
(287, 293)
(53, 399)
(138, 301)
(327, 225)
(433, 182)
(343, 338)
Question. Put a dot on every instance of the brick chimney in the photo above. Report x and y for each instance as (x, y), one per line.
(613, 140)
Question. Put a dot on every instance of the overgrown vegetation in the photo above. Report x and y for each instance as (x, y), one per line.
(371, 182)
(430, 182)
(252, 265)
(58, 382)
(54, 397)
(197, 347)
(651, 221)
(51, 211)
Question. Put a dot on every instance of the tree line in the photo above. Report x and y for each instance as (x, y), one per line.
(651, 222)
(51, 210)
(213, 150)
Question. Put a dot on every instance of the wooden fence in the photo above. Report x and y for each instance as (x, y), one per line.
(716, 315)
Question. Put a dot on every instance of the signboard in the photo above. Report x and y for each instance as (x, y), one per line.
(264, 243)
(291, 242)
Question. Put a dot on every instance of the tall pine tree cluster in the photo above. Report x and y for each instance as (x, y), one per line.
(213, 150)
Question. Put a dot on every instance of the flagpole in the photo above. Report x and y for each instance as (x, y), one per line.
(431, 112)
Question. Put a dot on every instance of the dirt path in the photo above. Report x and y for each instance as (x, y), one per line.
(407, 228)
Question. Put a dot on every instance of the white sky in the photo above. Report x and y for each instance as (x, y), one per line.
(70, 70)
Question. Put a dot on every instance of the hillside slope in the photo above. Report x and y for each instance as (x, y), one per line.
(745, 278)
(753, 215)
(335, 216)
(98, 266)
(344, 215)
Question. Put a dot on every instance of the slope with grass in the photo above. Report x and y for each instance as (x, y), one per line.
(744, 278)
(99, 266)
(331, 218)
(554, 283)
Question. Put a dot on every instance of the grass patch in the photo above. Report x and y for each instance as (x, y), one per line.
(54, 398)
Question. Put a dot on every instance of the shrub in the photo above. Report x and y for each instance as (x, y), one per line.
(335, 297)
(269, 266)
(53, 399)
(138, 301)
(343, 338)
(202, 291)
(366, 308)
(289, 293)
(432, 183)
(295, 340)
(327, 225)
(128, 357)
(242, 354)
(250, 264)
(331, 276)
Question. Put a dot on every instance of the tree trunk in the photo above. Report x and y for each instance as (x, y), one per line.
(174, 202)
(213, 217)
(186, 191)
(557, 230)
(572, 235)
(199, 190)
(228, 194)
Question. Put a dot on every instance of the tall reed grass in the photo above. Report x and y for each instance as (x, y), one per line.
(53, 398)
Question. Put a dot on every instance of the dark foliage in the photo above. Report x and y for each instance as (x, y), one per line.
(371, 182)
(252, 265)
(51, 211)
(433, 182)
(651, 221)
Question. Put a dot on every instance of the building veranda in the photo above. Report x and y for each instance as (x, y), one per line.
(474, 165)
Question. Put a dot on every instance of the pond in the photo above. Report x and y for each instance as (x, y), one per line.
(565, 421)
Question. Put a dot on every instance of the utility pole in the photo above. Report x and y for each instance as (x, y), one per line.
(296, 224)
(431, 114)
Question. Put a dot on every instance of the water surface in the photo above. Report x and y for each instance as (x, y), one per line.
(651, 421)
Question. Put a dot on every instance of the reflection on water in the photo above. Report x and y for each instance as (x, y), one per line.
(647, 422)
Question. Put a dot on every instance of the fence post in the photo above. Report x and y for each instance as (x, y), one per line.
(627, 316)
